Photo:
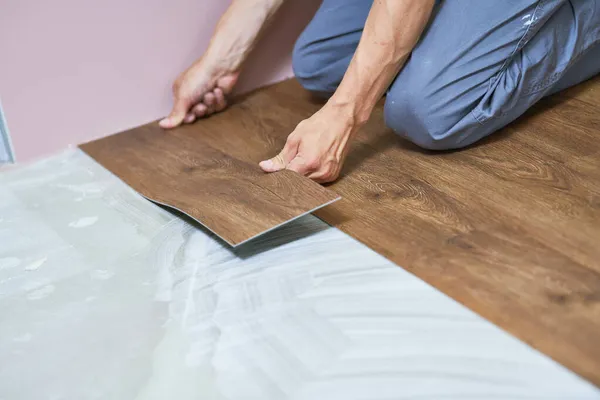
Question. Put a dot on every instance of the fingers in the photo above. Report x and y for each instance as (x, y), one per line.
(210, 103)
(273, 165)
(220, 102)
(177, 115)
(325, 176)
(214, 101)
(281, 161)
(189, 118)
(200, 110)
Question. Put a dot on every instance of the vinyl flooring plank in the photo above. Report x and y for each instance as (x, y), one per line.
(210, 172)
(509, 227)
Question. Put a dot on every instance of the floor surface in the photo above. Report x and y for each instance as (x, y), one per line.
(509, 227)
(104, 295)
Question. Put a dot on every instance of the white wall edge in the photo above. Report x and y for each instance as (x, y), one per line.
(5, 139)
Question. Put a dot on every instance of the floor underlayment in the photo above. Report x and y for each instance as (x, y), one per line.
(104, 295)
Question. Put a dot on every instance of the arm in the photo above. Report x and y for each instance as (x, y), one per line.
(318, 145)
(237, 32)
(200, 90)
(391, 32)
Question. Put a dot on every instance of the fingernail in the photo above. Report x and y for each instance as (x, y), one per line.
(267, 164)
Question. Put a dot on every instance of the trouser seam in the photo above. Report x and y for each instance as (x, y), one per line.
(544, 84)
(526, 36)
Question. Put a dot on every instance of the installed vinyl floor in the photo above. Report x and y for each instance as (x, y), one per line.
(104, 295)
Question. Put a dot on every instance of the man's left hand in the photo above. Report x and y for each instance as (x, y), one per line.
(317, 147)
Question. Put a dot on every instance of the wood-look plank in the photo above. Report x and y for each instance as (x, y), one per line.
(510, 227)
(210, 172)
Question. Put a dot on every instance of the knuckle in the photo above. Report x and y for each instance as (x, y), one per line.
(328, 177)
(328, 166)
(330, 172)
(279, 159)
(312, 163)
(302, 126)
(292, 139)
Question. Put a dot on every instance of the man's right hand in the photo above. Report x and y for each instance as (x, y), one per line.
(199, 92)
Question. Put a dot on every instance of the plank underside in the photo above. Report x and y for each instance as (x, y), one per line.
(210, 172)
(510, 228)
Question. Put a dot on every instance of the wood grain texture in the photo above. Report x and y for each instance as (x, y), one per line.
(509, 227)
(210, 172)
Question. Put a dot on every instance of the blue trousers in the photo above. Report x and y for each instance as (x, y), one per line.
(478, 66)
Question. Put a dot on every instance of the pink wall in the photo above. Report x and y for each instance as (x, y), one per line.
(74, 70)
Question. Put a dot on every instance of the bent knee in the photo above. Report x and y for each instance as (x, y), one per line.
(413, 117)
(317, 69)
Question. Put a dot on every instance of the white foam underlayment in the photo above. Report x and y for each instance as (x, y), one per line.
(104, 295)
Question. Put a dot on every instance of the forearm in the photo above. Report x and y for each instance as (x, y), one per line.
(391, 31)
(238, 30)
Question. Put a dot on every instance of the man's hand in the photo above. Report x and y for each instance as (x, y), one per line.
(199, 92)
(318, 146)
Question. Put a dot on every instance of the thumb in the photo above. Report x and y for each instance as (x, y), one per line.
(281, 160)
(177, 115)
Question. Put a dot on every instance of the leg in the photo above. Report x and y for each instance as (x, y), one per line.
(585, 68)
(467, 80)
(324, 50)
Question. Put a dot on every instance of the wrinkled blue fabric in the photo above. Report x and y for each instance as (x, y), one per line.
(478, 66)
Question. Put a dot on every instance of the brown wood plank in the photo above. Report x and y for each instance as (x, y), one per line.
(210, 172)
(510, 228)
